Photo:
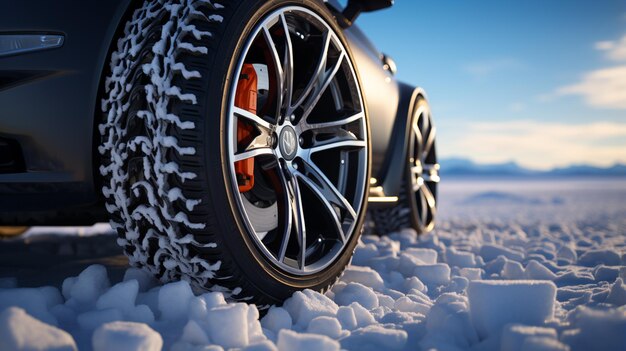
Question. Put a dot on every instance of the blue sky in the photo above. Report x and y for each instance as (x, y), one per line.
(539, 82)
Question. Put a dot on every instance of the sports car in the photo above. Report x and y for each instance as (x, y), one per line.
(236, 144)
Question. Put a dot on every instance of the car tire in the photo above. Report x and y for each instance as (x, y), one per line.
(170, 149)
(417, 200)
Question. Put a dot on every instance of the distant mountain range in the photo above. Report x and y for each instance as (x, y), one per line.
(465, 167)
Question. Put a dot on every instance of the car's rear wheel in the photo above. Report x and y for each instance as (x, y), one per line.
(236, 146)
(417, 201)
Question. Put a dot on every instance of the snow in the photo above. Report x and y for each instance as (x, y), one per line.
(174, 300)
(126, 336)
(540, 278)
(277, 318)
(227, 325)
(516, 336)
(85, 289)
(289, 340)
(20, 331)
(495, 303)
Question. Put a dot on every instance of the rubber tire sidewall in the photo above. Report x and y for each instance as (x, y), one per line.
(258, 271)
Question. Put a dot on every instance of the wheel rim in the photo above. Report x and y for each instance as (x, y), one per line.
(310, 145)
(424, 169)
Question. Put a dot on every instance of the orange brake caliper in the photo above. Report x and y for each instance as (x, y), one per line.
(245, 98)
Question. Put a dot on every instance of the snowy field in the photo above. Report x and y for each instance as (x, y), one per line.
(532, 265)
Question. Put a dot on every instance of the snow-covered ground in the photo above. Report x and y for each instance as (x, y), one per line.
(533, 265)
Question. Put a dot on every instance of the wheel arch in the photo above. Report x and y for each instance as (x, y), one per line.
(118, 25)
(391, 173)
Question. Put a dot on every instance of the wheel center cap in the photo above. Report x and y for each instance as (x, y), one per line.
(288, 142)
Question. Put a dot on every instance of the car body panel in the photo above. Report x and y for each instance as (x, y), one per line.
(49, 105)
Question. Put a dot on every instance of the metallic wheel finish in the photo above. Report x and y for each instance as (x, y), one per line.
(311, 139)
(424, 169)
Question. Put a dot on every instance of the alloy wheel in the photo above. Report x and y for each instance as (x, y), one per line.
(308, 139)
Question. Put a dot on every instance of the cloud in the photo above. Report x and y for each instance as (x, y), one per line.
(615, 50)
(487, 68)
(606, 87)
(536, 144)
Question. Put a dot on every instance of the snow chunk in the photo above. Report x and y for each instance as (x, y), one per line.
(537, 271)
(567, 254)
(213, 299)
(491, 251)
(617, 294)
(289, 340)
(593, 258)
(512, 270)
(121, 296)
(514, 335)
(363, 317)
(496, 303)
(375, 337)
(450, 316)
(425, 256)
(355, 292)
(92, 319)
(471, 273)
(305, 305)
(20, 331)
(325, 326)
(346, 317)
(461, 259)
(35, 301)
(228, 325)
(596, 329)
(145, 279)
(277, 318)
(174, 300)
(126, 336)
(88, 286)
(405, 304)
(264, 345)
(363, 275)
(433, 275)
(194, 334)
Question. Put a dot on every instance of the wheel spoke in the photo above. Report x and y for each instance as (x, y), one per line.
(298, 214)
(327, 206)
(418, 141)
(317, 93)
(316, 178)
(346, 141)
(253, 119)
(289, 196)
(278, 67)
(287, 64)
(318, 73)
(424, 208)
(430, 199)
(253, 152)
(429, 142)
(333, 124)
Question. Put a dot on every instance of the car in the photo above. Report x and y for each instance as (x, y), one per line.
(233, 144)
